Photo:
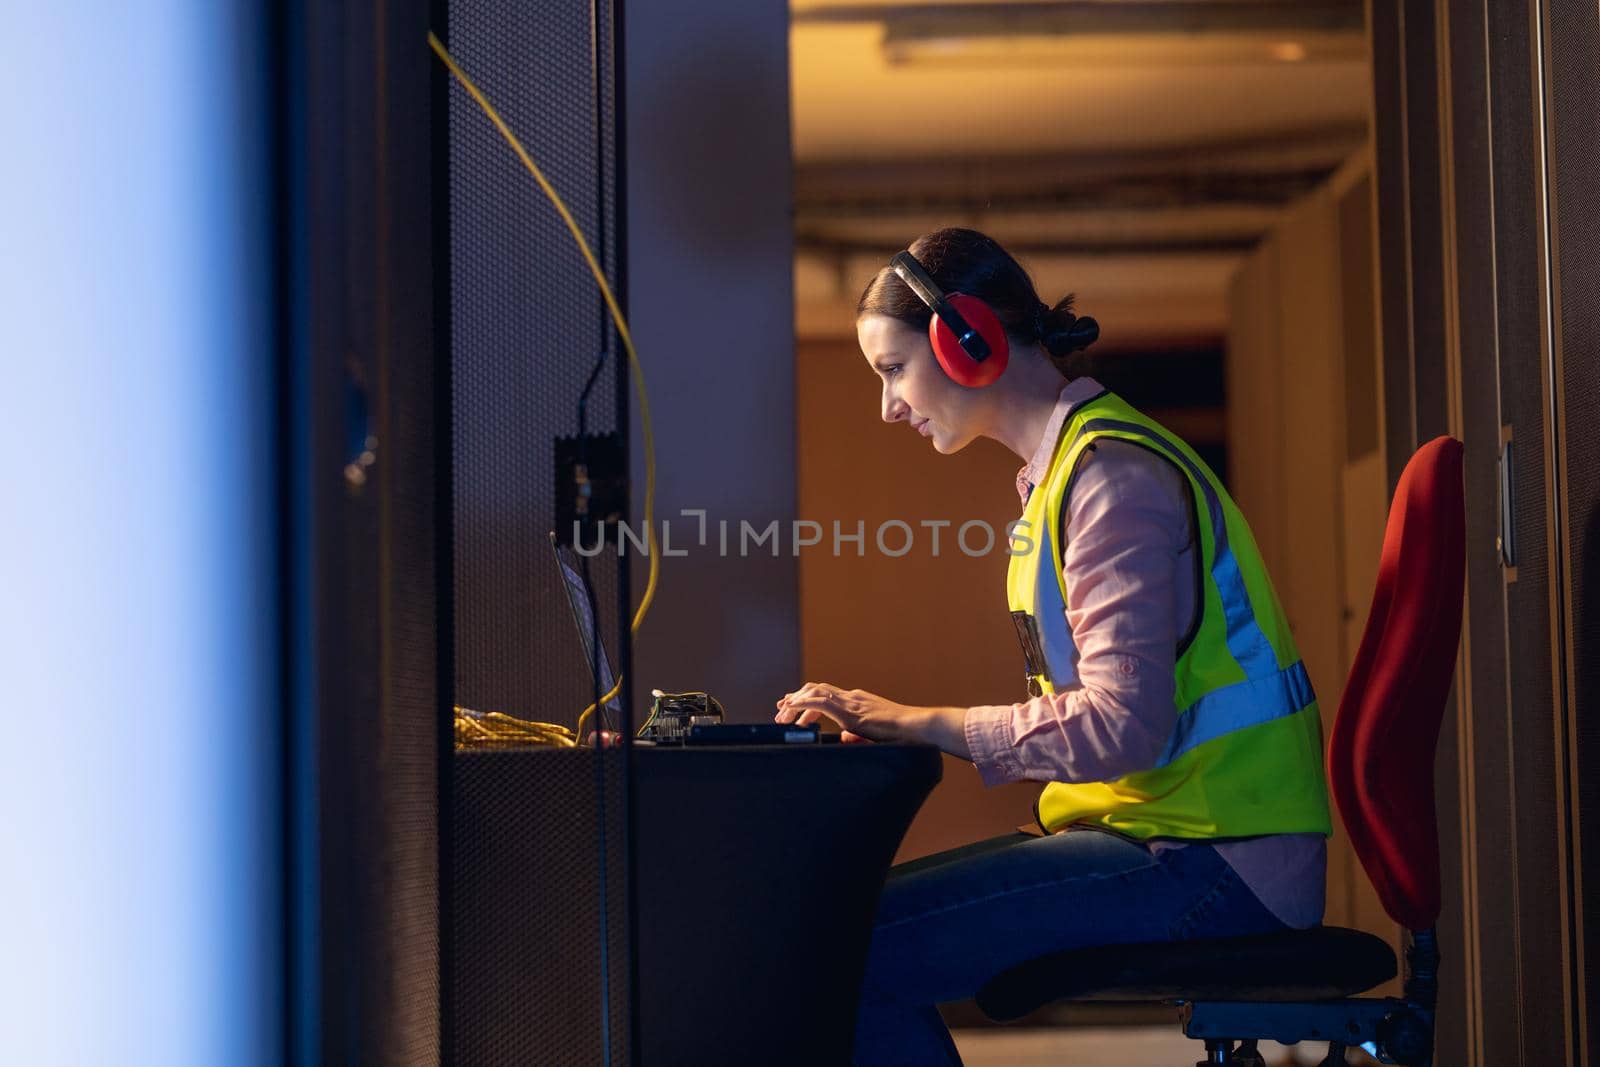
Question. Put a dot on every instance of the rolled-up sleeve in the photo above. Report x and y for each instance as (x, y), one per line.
(1127, 528)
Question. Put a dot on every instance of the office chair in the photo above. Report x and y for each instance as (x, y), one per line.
(1300, 985)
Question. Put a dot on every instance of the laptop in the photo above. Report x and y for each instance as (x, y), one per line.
(693, 732)
(579, 597)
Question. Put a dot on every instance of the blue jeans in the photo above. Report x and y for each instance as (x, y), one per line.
(948, 923)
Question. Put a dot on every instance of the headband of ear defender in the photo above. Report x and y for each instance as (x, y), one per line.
(967, 338)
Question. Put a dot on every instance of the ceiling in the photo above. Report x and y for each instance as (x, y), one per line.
(1129, 150)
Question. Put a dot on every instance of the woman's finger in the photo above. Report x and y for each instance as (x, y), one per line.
(834, 709)
(817, 714)
(788, 712)
(792, 710)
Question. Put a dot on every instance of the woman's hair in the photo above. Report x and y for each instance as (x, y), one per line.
(966, 261)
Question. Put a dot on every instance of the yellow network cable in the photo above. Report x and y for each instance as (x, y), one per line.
(622, 331)
(474, 728)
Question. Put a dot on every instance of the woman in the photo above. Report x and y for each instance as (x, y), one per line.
(1169, 711)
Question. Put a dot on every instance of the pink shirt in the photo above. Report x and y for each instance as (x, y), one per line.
(1129, 567)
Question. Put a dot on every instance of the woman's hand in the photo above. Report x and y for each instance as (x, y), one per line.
(861, 716)
(864, 716)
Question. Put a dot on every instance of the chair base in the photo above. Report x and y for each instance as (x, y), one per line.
(1393, 1030)
(1286, 987)
(1245, 1055)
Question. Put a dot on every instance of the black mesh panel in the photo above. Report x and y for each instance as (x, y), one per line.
(527, 328)
(527, 910)
(528, 325)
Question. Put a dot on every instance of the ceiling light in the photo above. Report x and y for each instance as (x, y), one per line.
(1132, 33)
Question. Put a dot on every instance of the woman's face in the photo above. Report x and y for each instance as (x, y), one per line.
(916, 389)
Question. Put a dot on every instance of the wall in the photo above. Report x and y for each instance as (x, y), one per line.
(710, 295)
(918, 629)
(1307, 466)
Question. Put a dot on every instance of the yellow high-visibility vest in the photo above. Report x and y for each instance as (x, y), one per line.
(1244, 755)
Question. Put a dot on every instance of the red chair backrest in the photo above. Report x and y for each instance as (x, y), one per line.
(1380, 758)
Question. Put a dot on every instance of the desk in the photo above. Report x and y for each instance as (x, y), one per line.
(757, 875)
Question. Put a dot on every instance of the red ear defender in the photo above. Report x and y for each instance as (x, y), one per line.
(967, 338)
(956, 360)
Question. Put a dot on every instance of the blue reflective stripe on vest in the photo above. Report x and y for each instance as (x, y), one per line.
(1247, 644)
(1060, 652)
(1234, 707)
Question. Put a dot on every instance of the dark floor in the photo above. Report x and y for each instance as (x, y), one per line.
(1120, 1046)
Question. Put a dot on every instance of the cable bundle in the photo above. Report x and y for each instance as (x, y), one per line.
(477, 729)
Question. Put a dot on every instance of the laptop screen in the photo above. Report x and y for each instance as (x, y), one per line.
(579, 597)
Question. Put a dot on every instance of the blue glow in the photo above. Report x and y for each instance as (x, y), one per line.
(139, 869)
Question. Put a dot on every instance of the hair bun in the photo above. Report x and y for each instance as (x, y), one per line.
(1063, 332)
(1082, 333)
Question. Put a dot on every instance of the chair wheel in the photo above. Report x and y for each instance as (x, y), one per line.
(1246, 1055)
